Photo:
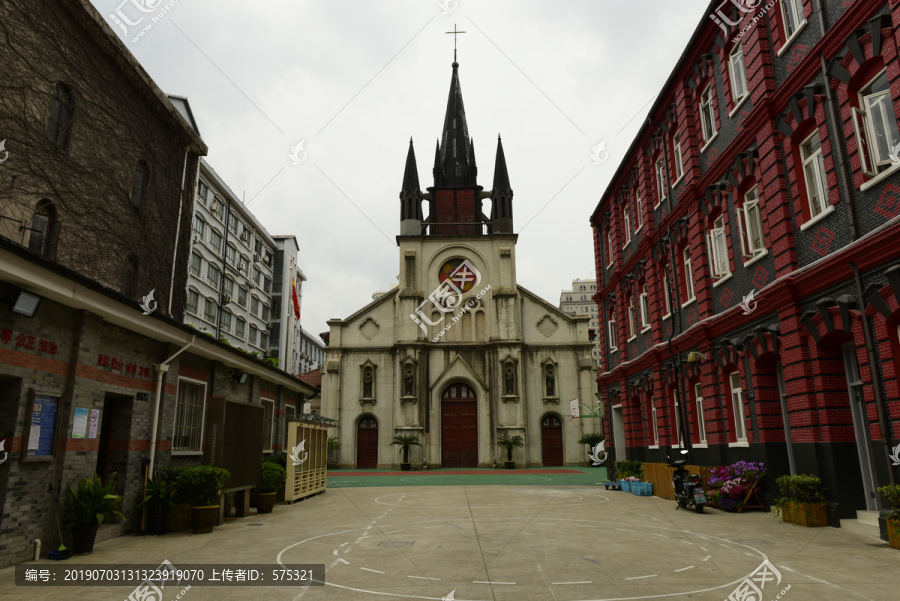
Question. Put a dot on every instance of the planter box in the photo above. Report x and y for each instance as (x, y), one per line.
(893, 528)
(805, 514)
(179, 517)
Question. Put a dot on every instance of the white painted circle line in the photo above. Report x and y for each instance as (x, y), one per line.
(489, 582)
(640, 577)
(684, 569)
(578, 582)
(422, 578)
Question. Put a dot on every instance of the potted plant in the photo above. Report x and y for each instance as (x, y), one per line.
(202, 485)
(271, 478)
(87, 508)
(592, 439)
(736, 487)
(802, 501)
(404, 441)
(891, 496)
(158, 500)
(509, 443)
(333, 445)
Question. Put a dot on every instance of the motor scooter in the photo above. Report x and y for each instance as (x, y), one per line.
(688, 489)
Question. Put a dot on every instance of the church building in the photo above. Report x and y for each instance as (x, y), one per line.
(458, 354)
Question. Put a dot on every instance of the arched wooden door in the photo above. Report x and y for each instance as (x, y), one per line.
(551, 440)
(459, 426)
(367, 443)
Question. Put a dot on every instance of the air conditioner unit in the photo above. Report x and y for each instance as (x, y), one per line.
(255, 258)
(228, 299)
(214, 207)
(196, 238)
(245, 236)
(268, 260)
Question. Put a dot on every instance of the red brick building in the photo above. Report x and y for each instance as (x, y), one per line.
(755, 220)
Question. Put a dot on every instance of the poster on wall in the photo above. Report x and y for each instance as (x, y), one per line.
(95, 421)
(79, 426)
(43, 414)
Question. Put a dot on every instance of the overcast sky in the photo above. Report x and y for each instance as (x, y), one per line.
(355, 80)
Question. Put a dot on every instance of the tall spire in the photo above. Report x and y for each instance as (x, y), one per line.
(501, 195)
(455, 145)
(411, 197)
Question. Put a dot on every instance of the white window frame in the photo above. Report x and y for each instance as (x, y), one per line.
(211, 269)
(645, 310)
(216, 248)
(196, 310)
(639, 211)
(207, 303)
(667, 300)
(240, 328)
(737, 406)
(817, 160)
(796, 11)
(199, 261)
(737, 74)
(717, 243)
(181, 413)
(611, 332)
(626, 222)
(749, 215)
(701, 419)
(868, 134)
(661, 192)
(688, 276)
(632, 329)
(226, 320)
(679, 159)
(268, 414)
(708, 109)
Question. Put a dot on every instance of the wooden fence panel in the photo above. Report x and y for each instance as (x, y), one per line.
(661, 476)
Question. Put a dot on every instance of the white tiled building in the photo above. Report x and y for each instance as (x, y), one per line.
(231, 268)
(285, 341)
(579, 301)
(312, 352)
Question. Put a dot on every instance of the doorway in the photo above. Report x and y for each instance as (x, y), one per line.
(618, 428)
(459, 426)
(112, 426)
(367, 443)
(551, 441)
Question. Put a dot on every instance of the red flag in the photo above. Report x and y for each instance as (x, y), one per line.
(294, 296)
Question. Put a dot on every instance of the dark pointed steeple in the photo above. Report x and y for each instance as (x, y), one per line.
(501, 195)
(438, 170)
(456, 147)
(411, 197)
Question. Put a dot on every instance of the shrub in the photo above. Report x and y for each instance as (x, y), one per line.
(201, 485)
(802, 488)
(277, 459)
(271, 478)
(158, 495)
(891, 496)
(729, 485)
(170, 475)
(92, 503)
(629, 469)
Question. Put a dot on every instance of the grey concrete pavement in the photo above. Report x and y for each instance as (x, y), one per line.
(507, 543)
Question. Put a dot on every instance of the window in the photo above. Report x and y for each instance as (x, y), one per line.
(139, 183)
(611, 324)
(631, 329)
(44, 230)
(660, 181)
(254, 334)
(212, 275)
(676, 154)
(876, 125)
(737, 405)
(639, 213)
(210, 310)
(217, 207)
(230, 254)
(257, 277)
(196, 264)
(243, 262)
(193, 298)
(242, 297)
(289, 412)
(189, 416)
(229, 287)
(814, 174)
(609, 246)
(750, 225)
(215, 241)
(792, 17)
(717, 241)
(645, 309)
(688, 293)
(62, 111)
(226, 321)
(737, 74)
(268, 422)
(665, 287)
(232, 223)
(708, 114)
(653, 423)
(199, 228)
(266, 312)
(677, 418)
(263, 339)
(257, 247)
(239, 325)
(626, 221)
(701, 420)
(267, 285)
(254, 305)
(202, 190)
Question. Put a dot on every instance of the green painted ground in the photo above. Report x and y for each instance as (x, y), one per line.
(467, 477)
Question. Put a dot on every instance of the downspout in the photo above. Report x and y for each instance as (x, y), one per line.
(177, 231)
(161, 369)
(880, 401)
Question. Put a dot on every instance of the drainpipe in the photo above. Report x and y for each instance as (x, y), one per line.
(177, 233)
(161, 369)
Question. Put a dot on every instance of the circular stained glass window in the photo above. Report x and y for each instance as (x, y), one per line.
(458, 273)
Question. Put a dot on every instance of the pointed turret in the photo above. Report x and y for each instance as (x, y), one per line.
(411, 197)
(501, 195)
(455, 144)
(438, 171)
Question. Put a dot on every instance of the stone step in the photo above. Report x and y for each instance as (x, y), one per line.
(869, 518)
(864, 528)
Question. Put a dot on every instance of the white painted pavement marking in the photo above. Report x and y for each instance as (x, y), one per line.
(344, 561)
(784, 567)
(422, 578)
(577, 582)
(660, 535)
(705, 550)
(749, 554)
(335, 552)
(371, 570)
(624, 529)
(344, 544)
(393, 531)
(640, 577)
(490, 582)
(707, 558)
(684, 569)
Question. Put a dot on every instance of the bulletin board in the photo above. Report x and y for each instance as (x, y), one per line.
(41, 423)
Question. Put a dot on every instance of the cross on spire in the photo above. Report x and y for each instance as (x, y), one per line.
(455, 32)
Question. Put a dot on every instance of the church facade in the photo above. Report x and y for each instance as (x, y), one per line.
(458, 354)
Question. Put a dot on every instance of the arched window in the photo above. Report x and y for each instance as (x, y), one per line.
(62, 111)
(139, 183)
(44, 230)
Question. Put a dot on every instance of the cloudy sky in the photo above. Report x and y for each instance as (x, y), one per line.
(355, 80)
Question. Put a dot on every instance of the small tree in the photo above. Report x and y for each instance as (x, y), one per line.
(591, 439)
(405, 441)
(509, 443)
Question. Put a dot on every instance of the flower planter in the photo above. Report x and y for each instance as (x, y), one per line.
(893, 527)
(811, 515)
(265, 502)
(179, 517)
(156, 522)
(203, 519)
(83, 538)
